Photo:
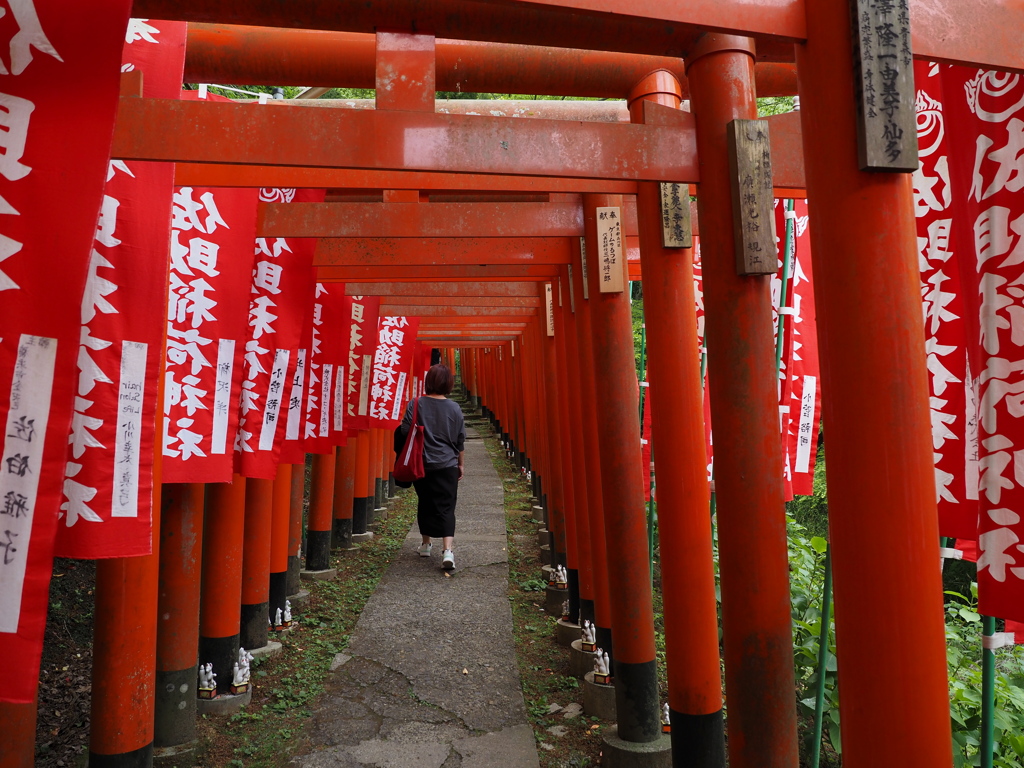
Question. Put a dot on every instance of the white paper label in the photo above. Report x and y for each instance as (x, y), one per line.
(339, 398)
(21, 467)
(222, 395)
(124, 501)
(364, 384)
(325, 399)
(396, 410)
(804, 439)
(275, 394)
(295, 397)
(609, 241)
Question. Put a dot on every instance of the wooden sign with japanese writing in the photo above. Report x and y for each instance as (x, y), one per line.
(675, 215)
(750, 166)
(609, 243)
(583, 264)
(549, 309)
(883, 68)
(572, 293)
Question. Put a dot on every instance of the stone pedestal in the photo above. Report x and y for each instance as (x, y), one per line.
(325, 575)
(272, 648)
(629, 754)
(178, 756)
(225, 704)
(299, 597)
(543, 537)
(566, 632)
(598, 700)
(553, 600)
(545, 554)
(580, 661)
(359, 538)
(538, 513)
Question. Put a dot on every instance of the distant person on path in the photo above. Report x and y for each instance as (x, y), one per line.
(444, 443)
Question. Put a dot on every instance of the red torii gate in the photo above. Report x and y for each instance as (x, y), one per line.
(882, 348)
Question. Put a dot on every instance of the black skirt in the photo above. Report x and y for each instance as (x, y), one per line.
(437, 492)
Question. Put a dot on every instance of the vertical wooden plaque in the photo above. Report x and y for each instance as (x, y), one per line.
(676, 231)
(549, 308)
(883, 68)
(609, 240)
(583, 264)
(572, 293)
(753, 216)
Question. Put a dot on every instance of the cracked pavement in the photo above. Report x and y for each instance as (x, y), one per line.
(430, 678)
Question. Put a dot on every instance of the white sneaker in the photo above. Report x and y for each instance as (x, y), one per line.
(448, 561)
(424, 549)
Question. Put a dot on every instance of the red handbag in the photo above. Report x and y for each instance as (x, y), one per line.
(409, 462)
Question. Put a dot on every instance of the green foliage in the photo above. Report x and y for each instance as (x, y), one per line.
(963, 652)
(811, 512)
(774, 105)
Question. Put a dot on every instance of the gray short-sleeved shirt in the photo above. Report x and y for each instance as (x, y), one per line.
(444, 436)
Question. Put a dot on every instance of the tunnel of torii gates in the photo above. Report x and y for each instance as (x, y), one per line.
(477, 225)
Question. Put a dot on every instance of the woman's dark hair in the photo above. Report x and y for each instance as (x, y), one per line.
(439, 380)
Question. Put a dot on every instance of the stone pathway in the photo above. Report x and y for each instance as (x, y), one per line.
(430, 677)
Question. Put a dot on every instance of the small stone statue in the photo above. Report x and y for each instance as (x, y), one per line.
(565, 608)
(589, 634)
(242, 666)
(278, 618)
(287, 612)
(665, 719)
(207, 677)
(240, 677)
(601, 663)
(559, 575)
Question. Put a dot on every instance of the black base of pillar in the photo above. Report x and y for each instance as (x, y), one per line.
(253, 632)
(175, 707)
(278, 593)
(574, 595)
(294, 568)
(603, 636)
(391, 486)
(137, 758)
(535, 485)
(343, 533)
(698, 741)
(360, 514)
(378, 493)
(222, 652)
(587, 612)
(637, 707)
(318, 550)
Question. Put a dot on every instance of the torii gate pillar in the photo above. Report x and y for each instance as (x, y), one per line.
(756, 623)
(881, 482)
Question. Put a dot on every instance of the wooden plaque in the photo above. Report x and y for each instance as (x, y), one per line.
(572, 293)
(583, 264)
(883, 69)
(549, 308)
(611, 258)
(675, 215)
(753, 215)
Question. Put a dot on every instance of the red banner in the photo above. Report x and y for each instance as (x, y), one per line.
(951, 391)
(108, 485)
(363, 314)
(984, 118)
(293, 446)
(800, 403)
(392, 364)
(282, 289)
(325, 413)
(212, 235)
(60, 81)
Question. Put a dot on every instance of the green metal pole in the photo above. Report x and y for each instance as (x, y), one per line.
(823, 645)
(988, 694)
(787, 265)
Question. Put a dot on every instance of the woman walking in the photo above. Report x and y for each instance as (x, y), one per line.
(444, 442)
